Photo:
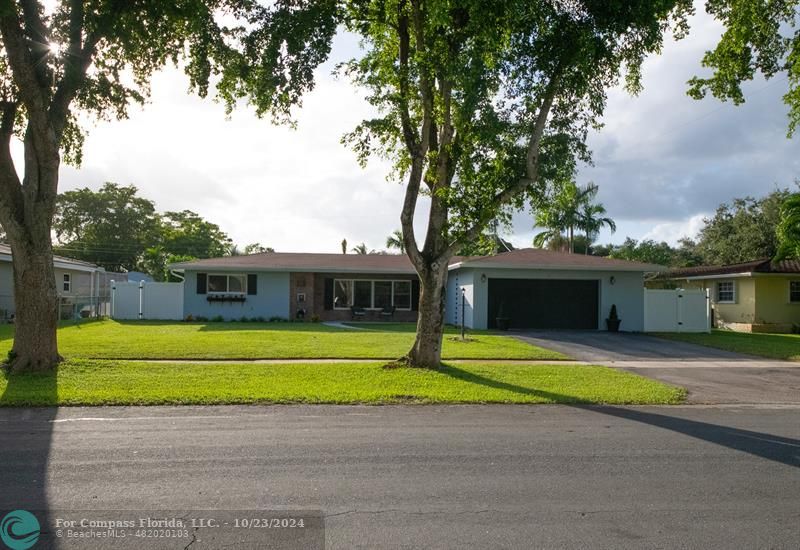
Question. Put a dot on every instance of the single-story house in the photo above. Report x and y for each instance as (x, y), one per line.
(757, 296)
(533, 288)
(80, 285)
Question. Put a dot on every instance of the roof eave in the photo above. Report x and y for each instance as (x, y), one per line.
(305, 269)
(491, 265)
(711, 276)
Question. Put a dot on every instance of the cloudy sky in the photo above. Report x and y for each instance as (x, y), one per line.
(662, 162)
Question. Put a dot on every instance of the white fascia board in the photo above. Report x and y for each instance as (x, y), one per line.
(723, 276)
(251, 269)
(551, 267)
(75, 267)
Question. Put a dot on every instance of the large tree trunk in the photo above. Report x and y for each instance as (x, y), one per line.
(427, 349)
(29, 234)
(36, 303)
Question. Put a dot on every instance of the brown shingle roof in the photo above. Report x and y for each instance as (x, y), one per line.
(291, 261)
(399, 263)
(764, 265)
(547, 259)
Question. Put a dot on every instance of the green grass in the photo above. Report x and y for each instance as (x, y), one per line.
(177, 340)
(91, 382)
(774, 346)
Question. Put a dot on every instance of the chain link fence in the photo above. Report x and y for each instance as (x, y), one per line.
(70, 307)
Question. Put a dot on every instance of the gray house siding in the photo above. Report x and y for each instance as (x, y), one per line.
(271, 299)
(6, 289)
(80, 291)
(626, 292)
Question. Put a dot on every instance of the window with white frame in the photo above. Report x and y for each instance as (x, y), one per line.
(342, 294)
(794, 292)
(370, 294)
(67, 283)
(402, 294)
(726, 292)
(234, 283)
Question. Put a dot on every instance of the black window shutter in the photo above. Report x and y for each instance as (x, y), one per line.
(415, 295)
(328, 294)
(252, 283)
(201, 283)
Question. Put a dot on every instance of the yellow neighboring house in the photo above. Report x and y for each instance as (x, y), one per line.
(757, 296)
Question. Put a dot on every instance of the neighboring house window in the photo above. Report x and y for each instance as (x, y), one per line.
(227, 284)
(726, 293)
(794, 292)
(371, 294)
(67, 282)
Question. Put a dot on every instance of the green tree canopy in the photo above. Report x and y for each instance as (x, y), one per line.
(647, 250)
(761, 36)
(110, 227)
(743, 230)
(119, 230)
(68, 60)
(789, 228)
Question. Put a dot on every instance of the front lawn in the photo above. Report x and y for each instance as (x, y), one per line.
(774, 346)
(177, 340)
(92, 382)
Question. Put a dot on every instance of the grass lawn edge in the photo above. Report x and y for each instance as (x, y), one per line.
(139, 383)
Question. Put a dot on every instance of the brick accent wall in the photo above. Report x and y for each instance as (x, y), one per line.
(302, 294)
(345, 315)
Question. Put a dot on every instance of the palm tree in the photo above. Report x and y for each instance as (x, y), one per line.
(395, 240)
(361, 249)
(563, 213)
(593, 219)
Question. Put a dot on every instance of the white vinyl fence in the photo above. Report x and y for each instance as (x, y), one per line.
(677, 310)
(147, 300)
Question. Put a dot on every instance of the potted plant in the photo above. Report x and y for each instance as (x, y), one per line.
(501, 320)
(613, 321)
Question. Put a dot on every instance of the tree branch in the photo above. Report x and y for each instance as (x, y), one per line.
(409, 133)
(532, 165)
(21, 61)
(11, 200)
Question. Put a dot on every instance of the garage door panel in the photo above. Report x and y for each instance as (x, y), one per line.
(545, 303)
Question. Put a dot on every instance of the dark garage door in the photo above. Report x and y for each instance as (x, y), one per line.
(544, 303)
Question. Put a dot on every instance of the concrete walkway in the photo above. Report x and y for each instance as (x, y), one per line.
(710, 375)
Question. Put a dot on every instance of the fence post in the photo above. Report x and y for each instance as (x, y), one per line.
(141, 299)
(113, 286)
(463, 307)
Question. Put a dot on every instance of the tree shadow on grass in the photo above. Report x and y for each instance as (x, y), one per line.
(472, 378)
(25, 443)
(780, 449)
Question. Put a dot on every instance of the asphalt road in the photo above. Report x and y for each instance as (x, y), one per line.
(711, 376)
(429, 476)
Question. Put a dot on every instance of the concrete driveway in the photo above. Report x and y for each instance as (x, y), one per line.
(710, 375)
